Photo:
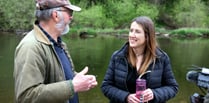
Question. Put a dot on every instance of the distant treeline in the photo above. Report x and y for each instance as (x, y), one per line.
(101, 14)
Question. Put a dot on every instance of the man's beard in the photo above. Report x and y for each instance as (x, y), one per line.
(61, 24)
(66, 30)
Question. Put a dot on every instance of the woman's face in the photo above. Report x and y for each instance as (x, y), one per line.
(136, 36)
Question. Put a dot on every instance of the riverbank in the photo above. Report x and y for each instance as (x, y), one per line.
(123, 33)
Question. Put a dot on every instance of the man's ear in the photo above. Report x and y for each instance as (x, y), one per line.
(55, 16)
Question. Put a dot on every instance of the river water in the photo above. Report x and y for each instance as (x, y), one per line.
(95, 53)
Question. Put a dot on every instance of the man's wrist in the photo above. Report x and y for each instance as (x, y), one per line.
(71, 88)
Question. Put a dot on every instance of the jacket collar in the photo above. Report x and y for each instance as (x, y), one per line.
(124, 50)
(40, 36)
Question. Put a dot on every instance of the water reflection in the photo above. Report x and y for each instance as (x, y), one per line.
(96, 52)
(8, 43)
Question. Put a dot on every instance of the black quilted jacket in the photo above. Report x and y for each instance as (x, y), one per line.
(161, 78)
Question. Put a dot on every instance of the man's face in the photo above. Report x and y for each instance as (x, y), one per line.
(65, 16)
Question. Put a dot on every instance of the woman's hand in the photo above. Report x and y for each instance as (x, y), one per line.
(148, 95)
(132, 98)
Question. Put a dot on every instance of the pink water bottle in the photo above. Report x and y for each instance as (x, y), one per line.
(140, 87)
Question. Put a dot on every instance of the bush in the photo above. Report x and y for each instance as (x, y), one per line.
(117, 14)
(17, 15)
(191, 13)
(147, 9)
(190, 32)
(92, 17)
(120, 12)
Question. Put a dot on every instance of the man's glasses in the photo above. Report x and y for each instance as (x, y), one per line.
(69, 12)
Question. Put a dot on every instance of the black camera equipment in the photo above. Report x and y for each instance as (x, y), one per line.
(200, 76)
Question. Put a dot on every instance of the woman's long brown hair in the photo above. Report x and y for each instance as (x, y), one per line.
(150, 45)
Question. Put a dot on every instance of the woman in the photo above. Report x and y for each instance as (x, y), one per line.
(139, 55)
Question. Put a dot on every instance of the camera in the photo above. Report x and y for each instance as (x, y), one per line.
(197, 98)
(200, 76)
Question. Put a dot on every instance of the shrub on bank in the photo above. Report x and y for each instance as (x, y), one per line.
(190, 32)
(191, 13)
(16, 15)
(179, 33)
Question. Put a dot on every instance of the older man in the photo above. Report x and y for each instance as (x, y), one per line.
(44, 71)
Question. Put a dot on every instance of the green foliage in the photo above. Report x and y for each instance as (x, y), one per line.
(190, 13)
(73, 31)
(147, 9)
(190, 32)
(117, 14)
(91, 32)
(87, 31)
(121, 12)
(92, 17)
(113, 31)
(123, 31)
(16, 14)
(161, 30)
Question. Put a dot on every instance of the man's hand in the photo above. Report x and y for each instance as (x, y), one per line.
(83, 82)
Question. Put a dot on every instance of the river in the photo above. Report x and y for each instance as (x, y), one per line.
(96, 52)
